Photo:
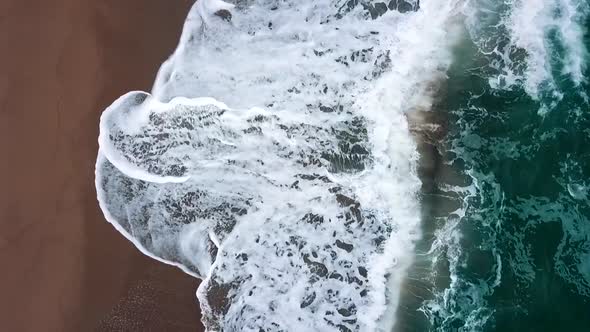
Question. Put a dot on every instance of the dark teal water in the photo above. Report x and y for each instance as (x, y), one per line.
(515, 255)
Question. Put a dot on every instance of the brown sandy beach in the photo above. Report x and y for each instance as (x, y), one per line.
(64, 268)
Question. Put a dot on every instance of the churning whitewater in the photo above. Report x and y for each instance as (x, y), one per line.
(277, 155)
(273, 158)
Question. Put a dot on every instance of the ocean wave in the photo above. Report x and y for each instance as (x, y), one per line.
(513, 255)
(533, 44)
(274, 158)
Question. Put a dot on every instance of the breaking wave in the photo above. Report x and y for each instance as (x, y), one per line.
(274, 160)
(364, 165)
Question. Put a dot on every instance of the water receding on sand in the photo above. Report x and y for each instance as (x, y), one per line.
(362, 165)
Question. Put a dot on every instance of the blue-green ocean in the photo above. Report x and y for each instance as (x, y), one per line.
(514, 173)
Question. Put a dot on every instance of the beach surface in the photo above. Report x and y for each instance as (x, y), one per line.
(64, 268)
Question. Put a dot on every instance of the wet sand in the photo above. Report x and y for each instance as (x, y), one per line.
(63, 267)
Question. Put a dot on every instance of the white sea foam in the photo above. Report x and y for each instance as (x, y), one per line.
(525, 35)
(572, 26)
(295, 197)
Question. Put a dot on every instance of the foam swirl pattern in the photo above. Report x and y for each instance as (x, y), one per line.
(273, 158)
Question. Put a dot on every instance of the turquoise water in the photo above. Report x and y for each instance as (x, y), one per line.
(515, 255)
